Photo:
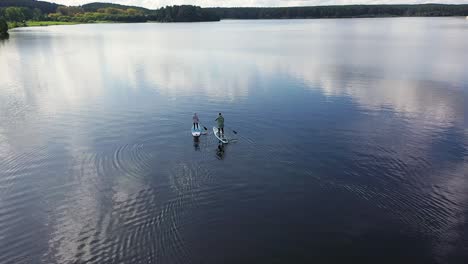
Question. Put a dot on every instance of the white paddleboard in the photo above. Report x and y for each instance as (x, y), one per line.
(218, 136)
(196, 132)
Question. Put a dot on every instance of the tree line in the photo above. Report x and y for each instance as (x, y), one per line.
(184, 13)
(78, 14)
(20, 14)
(45, 7)
(117, 13)
(345, 11)
(109, 12)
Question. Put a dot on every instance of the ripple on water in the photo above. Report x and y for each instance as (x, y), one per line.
(21, 177)
(142, 229)
(129, 160)
(150, 225)
(428, 212)
(186, 177)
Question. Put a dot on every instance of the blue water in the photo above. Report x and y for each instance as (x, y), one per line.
(351, 142)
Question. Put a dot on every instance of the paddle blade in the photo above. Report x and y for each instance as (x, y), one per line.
(205, 128)
(235, 132)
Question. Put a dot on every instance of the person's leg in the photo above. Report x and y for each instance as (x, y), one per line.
(219, 129)
(193, 125)
(222, 130)
(198, 126)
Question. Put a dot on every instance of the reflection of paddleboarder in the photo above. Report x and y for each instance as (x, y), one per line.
(196, 143)
(220, 151)
(220, 122)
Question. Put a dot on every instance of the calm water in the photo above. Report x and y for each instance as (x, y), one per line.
(351, 143)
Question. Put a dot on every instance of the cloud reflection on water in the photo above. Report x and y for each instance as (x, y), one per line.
(55, 71)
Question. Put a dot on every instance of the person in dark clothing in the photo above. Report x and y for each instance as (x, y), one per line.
(220, 122)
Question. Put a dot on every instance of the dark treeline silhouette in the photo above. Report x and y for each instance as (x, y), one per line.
(184, 13)
(345, 11)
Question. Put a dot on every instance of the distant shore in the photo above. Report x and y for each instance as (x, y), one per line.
(61, 23)
(29, 13)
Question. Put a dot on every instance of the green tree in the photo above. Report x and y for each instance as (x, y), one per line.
(111, 11)
(14, 14)
(62, 10)
(27, 13)
(54, 16)
(69, 10)
(3, 27)
(133, 12)
(37, 14)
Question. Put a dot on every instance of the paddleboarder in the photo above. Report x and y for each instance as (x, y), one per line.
(195, 121)
(220, 122)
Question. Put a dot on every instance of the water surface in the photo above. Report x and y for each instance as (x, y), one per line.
(351, 142)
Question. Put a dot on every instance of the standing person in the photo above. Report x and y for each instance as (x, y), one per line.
(220, 121)
(195, 121)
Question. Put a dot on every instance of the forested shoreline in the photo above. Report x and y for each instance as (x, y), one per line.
(16, 13)
(343, 11)
(97, 12)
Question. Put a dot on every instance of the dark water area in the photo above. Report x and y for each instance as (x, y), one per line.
(351, 142)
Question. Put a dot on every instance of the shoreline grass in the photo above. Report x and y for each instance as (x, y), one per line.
(48, 23)
(29, 23)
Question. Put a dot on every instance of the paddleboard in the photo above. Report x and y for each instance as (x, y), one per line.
(218, 136)
(196, 132)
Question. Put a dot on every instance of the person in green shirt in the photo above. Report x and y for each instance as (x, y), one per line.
(220, 122)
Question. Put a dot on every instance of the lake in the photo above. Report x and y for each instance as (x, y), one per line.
(348, 142)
